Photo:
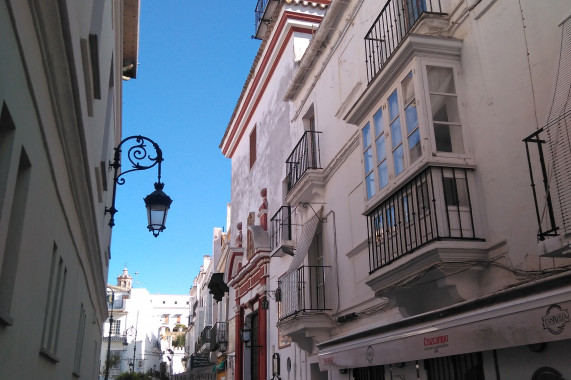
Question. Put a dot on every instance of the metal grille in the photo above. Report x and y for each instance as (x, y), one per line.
(280, 227)
(391, 27)
(259, 13)
(434, 205)
(458, 367)
(369, 373)
(305, 155)
(218, 335)
(300, 291)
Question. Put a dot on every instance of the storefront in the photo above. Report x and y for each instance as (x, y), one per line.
(528, 318)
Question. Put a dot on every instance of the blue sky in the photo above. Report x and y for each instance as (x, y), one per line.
(194, 57)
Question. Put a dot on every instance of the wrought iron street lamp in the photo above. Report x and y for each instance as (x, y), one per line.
(157, 203)
(110, 301)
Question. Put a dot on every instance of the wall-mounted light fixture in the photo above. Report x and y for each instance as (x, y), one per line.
(246, 336)
(110, 302)
(275, 365)
(157, 203)
(273, 294)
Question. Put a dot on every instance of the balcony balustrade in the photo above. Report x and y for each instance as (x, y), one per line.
(262, 16)
(434, 205)
(305, 156)
(259, 12)
(302, 290)
(218, 336)
(203, 340)
(280, 227)
(391, 27)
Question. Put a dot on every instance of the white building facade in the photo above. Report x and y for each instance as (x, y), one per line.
(383, 223)
(60, 118)
(144, 330)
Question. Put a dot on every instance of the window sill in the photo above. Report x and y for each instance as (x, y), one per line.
(49, 355)
(403, 178)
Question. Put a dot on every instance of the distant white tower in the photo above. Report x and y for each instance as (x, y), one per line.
(125, 280)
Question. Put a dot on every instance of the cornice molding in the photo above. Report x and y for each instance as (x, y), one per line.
(261, 73)
(414, 45)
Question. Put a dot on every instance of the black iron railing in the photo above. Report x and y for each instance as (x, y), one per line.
(218, 336)
(548, 150)
(203, 338)
(389, 29)
(305, 155)
(280, 227)
(259, 13)
(302, 290)
(434, 205)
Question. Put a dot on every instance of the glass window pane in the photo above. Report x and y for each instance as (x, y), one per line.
(398, 156)
(440, 79)
(378, 121)
(411, 117)
(381, 150)
(407, 89)
(396, 133)
(414, 10)
(414, 148)
(370, 185)
(462, 192)
(445, 108)
(393, 105)
(448, 138)
(368, 160)
(383, 175)
(391, 216)
(366, 136)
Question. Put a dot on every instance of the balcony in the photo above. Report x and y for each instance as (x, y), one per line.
(304, 159)
(302, 291)
(302, 312)
(115, 338)
(263, 16)
(280, 227)
(203, 342)
(391, 27)
(434, 205)
(219, 337)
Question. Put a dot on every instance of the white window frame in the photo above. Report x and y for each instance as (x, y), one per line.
(386, 131)
(429, 126)
(425, 127)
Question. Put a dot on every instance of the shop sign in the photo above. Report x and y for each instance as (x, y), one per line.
(200, 361)
(555, 319)
(435, 342)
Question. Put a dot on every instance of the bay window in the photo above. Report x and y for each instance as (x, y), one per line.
(397, 134)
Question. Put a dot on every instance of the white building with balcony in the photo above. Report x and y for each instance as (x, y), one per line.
(207, 341)
(61, 97)
(144, 330)
(388, 218)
